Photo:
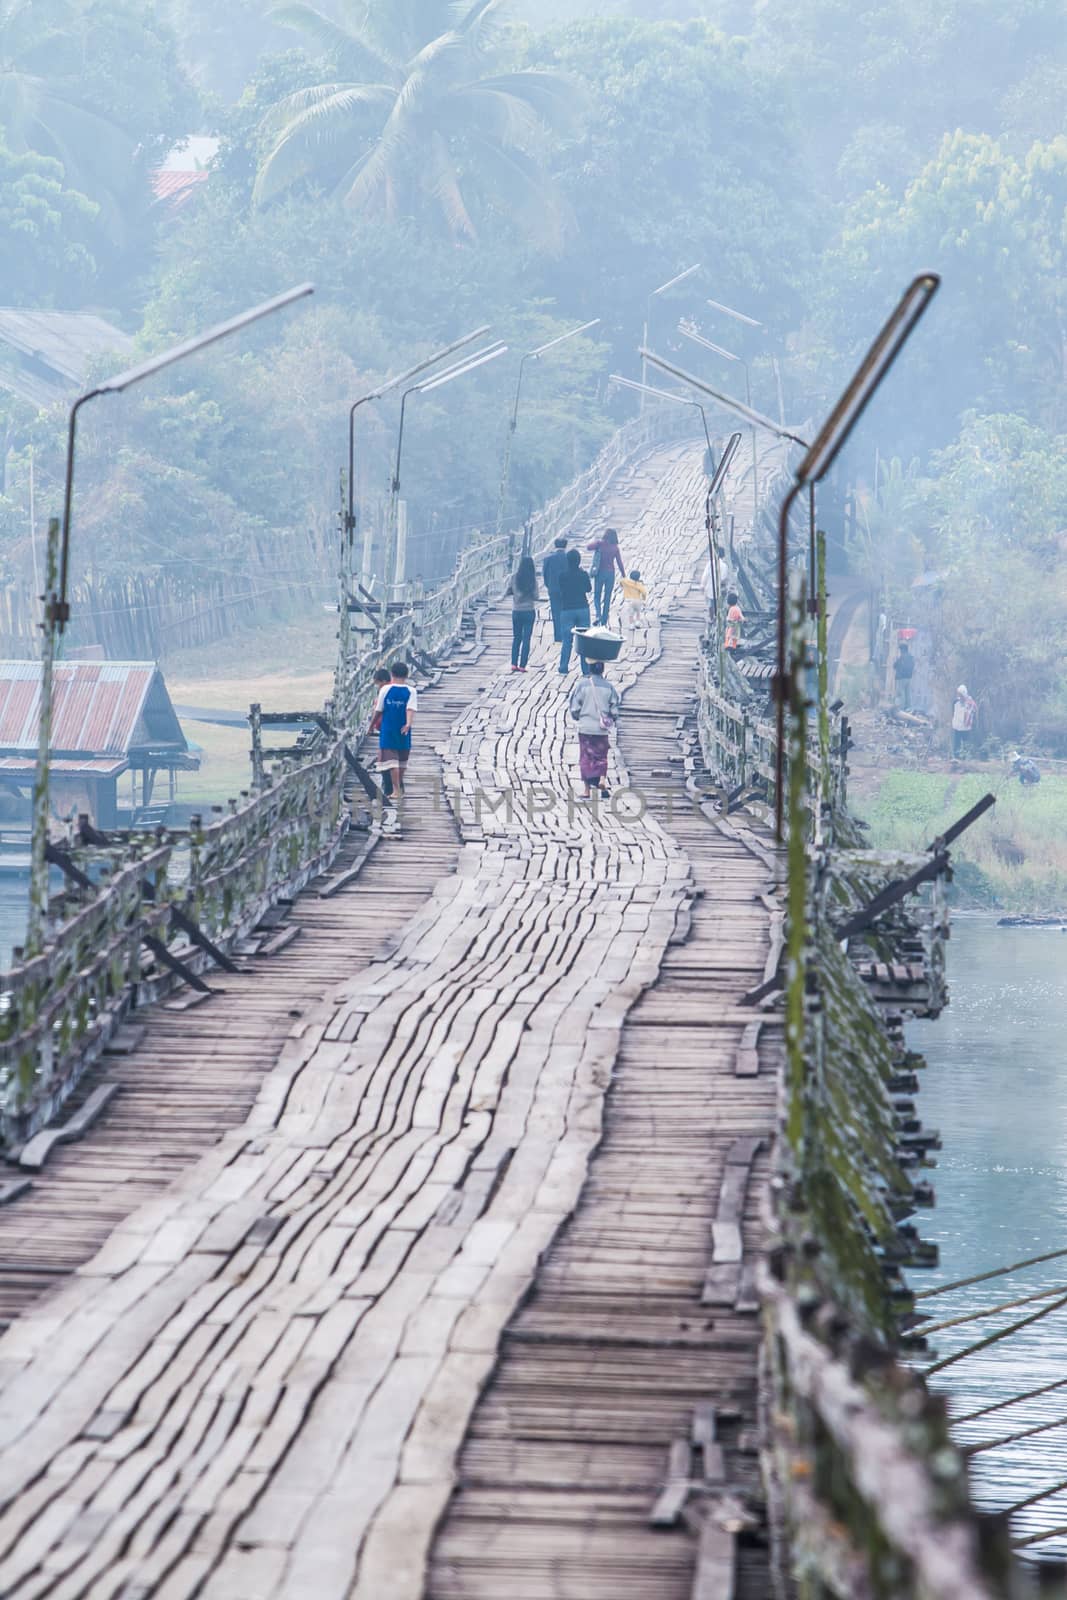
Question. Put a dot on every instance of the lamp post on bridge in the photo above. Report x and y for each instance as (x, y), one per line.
(688, 331)
(716, 475)
(376, 394)
(663, 288)
(57, 601)
(513, 422)
(469, 364)
(819, 457)
(679, 399)
(756, 419)
(714, 488)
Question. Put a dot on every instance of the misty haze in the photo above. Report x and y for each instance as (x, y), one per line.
(533, 799)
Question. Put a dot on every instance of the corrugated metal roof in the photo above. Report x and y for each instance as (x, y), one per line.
(176, 187)
(98, 708)
(22, 767)
(49, 353)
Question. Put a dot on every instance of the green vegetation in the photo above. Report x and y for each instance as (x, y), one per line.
(532, 164)
(1014, 858)
(426, 116)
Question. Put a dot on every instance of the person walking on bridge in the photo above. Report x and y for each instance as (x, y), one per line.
(595, 707)
(382, 678)
(524, 598)
(606, 557)
(397, 702)
(574, 587)
(552, 569)
(734, 620)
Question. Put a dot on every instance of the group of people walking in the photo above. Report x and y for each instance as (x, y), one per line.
(575, 595)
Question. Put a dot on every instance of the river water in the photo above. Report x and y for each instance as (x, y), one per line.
(996, 1087)
(14, 904)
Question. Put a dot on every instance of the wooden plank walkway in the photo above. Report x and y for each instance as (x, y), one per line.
(197, 1071)
(613, 1355)
(259, 1386)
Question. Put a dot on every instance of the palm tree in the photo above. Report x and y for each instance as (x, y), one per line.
(39, 108)
(423, 119)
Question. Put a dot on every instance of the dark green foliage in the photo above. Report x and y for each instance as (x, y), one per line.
(46, 232)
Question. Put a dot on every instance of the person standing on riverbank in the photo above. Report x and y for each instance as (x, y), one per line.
(903, 671)
(964, 715)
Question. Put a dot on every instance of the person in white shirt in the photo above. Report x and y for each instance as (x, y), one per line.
(964, 713)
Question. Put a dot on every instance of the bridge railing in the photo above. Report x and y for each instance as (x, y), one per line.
(138, 908)
(867, 1493)
(64, 1003)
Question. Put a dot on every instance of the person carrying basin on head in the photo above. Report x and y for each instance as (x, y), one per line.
(524, 598)
(551, 571)
(606, 557)
(595, 707)
(574, 587)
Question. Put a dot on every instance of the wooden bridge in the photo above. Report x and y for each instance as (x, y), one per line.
(424, 1255)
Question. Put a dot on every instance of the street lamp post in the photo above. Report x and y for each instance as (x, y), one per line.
(715, 484)
(59, 608)
(820, 456)
(57, 603)
(689, 332)
(513, 421)
(376, 394)
(663, 288)
(458, 370)
(665, 394)
(749, 413)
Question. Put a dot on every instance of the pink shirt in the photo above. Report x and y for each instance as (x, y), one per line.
(609, 553)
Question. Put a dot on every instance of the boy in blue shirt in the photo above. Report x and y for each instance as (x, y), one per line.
(397, 704)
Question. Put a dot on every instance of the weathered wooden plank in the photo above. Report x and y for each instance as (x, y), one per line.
(671, 1500)
(34, 1154)
(716, 1562)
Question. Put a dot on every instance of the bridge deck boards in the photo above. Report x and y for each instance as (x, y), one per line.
(260, 1384)
(606, 1362)
(198, 1072)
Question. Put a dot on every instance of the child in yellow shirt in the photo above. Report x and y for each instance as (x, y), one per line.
(634, 595)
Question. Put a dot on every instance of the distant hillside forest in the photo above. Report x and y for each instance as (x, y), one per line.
(434, 166)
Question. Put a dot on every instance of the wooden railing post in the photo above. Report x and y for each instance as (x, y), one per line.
(37, 917)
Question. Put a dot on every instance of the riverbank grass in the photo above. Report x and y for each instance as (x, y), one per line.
(1014, 858)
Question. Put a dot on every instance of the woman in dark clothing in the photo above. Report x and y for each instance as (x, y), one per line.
(606, 557)
(524, 599)
(574, 587)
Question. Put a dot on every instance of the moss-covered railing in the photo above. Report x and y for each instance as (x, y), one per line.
(138, 910)
(867, 1495)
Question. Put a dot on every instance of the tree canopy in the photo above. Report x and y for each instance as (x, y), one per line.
(425, 120)
(434, 165)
